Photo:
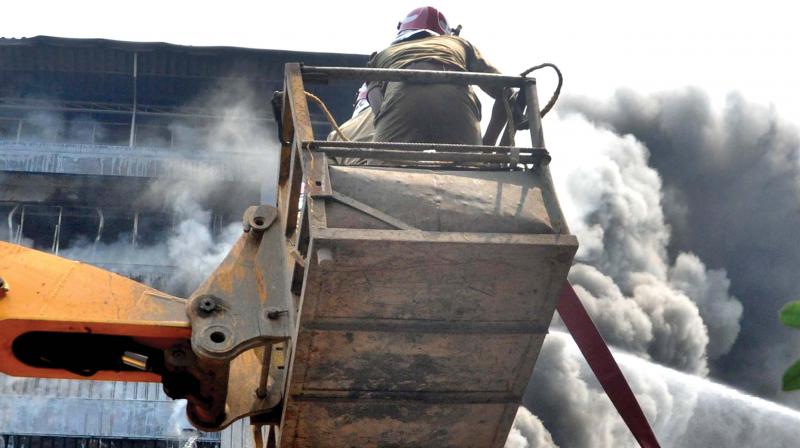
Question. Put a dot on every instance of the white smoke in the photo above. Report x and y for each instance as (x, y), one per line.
(180, 427)
(528, 432)
(194, 245)
(684, 410)
(640, 299)
(196, 251)
(190, 249)
(731, 193)
(708, 288)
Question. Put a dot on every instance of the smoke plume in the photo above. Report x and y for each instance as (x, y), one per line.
(528, 432)
(645, 299)
(642, 299)
(730, 195)
(684, 410)
(191, 248)
(199, 238)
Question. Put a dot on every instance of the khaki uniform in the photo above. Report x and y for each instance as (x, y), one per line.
(435, 113)
(357, 129)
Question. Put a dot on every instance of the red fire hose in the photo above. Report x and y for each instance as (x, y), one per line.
(602, 363)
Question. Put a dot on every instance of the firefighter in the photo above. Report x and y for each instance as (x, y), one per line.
(424, 112)
(359, 127)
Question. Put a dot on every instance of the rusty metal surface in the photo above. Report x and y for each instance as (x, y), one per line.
(362, 207)
(238, 315)
(433, 76)
(298, 105)
(428, 330)
(536, 157)
(356, 423)
(419, 278)
(448, 201)
(314, 164)
(289, 190)
(408, 359)
(415, 146)
(427, 335)
(230, 312)
(319, 182)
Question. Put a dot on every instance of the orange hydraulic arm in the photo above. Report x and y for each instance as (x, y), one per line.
(51, 307)
(223, 348)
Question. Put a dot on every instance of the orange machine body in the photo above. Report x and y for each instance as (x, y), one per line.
(47, 293)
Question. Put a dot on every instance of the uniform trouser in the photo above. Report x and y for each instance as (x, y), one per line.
(428, 113)
(357, 129)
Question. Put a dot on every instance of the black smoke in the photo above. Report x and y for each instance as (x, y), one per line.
(731, 195)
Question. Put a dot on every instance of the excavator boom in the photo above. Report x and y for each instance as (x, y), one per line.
(53, 311)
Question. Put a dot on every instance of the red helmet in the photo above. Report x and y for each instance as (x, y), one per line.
(425, 18)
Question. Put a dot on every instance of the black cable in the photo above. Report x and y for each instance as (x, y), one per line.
(554, 97)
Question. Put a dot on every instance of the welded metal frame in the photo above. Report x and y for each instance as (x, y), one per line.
(569, 307)
(430, 152)
(305, 187)
(433, 76)
(303, 170)
(303, 174)
(241, 319)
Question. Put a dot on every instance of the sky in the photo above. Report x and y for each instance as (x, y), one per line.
(600, 46)
(675, 156)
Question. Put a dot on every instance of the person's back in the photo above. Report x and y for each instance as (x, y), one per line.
(425, 112)
(359, 128)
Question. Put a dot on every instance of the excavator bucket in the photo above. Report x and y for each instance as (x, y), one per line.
(425, 336)
(426, 280)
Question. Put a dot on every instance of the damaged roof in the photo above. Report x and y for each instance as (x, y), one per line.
(102, 70)
(155, 58)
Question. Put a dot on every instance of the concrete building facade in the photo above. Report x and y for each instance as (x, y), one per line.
(139, 158)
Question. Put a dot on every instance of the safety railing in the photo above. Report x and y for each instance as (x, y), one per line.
(304, 157)
(304, 185)
(433, 151)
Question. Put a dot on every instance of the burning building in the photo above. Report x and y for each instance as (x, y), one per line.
(139, 158)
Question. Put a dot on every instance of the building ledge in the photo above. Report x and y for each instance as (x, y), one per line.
(107, 160)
